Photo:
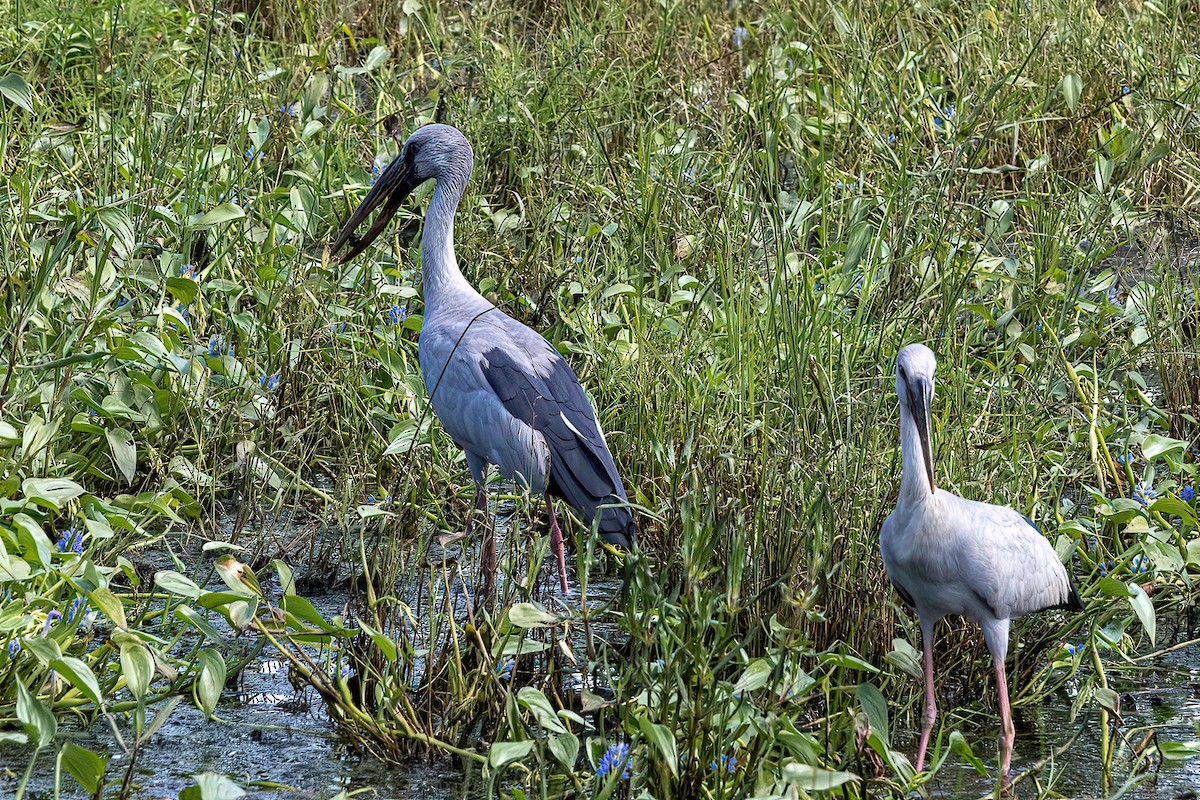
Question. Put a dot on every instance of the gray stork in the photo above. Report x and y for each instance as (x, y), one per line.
(501, 391)
(946, 555)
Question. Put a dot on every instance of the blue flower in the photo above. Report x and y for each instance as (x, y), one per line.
(1139, 564)
(1126, 458)
(1102, 567)
(397, 313)
(288, 109)
(728, 763)
(269, 383)
(1187, 494)
(377, 168)
(14, 647)
(949, 112)
(183, 312)
(1038, 327)
(214, 347)
(892, 139)
(505, 671)
(70, 540)
(122, 301)
(371, 499)
(1112, 295)
(578, 259)
(740, 35)
(1075, 648)
(617, 755)
(1124, 90)
(1085, 245)
(77, 610)
(1144, 493)
(51, 618)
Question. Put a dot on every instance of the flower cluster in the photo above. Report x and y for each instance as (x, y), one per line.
(377, 168)
(288, 110)
(1187, 494)
(215, 349)
(1144, 493)
(77, 611)
(70, 541)
(728, 763)
(14, 647)
(1074, 649)
(51, 618)
(614, 758)
(269, 383)
(397, 314)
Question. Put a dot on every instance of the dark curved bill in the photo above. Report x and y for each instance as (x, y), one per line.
(920, 394)
(393, 186)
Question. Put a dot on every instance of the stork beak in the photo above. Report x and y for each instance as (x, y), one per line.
(394, 185)
(920, 397)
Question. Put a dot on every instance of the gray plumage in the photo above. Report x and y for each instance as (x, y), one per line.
(501, 391)
(948, 555)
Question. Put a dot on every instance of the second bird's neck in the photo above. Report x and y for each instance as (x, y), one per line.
(442, 281)
(914, 483)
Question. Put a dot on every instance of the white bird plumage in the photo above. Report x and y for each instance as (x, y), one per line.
(501, 391)
(948, 555)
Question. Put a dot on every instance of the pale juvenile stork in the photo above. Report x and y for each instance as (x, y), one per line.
(501, 391)
(946, 555)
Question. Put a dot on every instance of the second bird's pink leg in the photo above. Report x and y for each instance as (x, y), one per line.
(930, 714)
(556, 546)
(1007, 731)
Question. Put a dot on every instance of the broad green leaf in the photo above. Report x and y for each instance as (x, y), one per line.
(564, 747)
(84, 766)
(123, 448)
(1155, 446)
(210, 786)
(8, 434)
(663, 740)
(211, 682)
(382, 641)
(117, 223)
(238, 577)
(225, 212)
(501, 754)
(33, 540)
(1107, 699)
(200, 623)
(540, 707)
(376, 58)
(1071, 87)
(528, 615)
(875, 706)
(906, 657)
(959, 745)
(1111, 587)
(815, 779)
(1143, 608)
(17, 90)
(79, 675)
(37, 720)
(756, 675)
(54, 492)
(1179, 751)
(171, 581)
(847, 661)
(103, 599)
(137, 665)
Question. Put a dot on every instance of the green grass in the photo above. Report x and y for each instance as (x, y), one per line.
(730, 233)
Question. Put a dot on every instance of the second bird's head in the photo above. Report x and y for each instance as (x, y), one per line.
(434, 152)
(915, 368)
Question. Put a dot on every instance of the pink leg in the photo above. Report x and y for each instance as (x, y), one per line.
(1007, 731)
(556, 546)
(930, 715)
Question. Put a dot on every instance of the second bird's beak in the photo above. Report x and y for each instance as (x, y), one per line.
(394, 185)
(920, 396)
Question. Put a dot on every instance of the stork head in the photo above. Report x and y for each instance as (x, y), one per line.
(433, 152)
(915, 367)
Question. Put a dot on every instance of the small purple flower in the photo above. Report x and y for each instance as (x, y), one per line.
(122, 301)
(269, 383)
(1124, 90)
(1139, 564)
(252, 153)
(1074, 649)
(214, 347)
(740, 35)
(892, 138)
(1112, 295)
(1085, 245)
(1038, 327)
(377, 168)
(1144, 493)
(77, 610)
(505, 671)
(397, 313)
(187, 271)
(14, 647)
(51, 618)
(71, 540)
(614, 758)
(1127, 458)
(288, 110)
(1187, 494)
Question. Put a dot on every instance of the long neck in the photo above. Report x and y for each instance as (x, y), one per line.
(440, 276)
(914, 483)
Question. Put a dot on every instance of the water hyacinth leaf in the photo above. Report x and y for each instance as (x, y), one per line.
(80, 676)
(501, 754)
(1156, 446)
(210, 786)
(808, 778)
(226, 212)
(43, 649)
(1111, 587)
(171, 581)
(16, 90)
(34, 542)
(537, 704)
(8, 434)
(847, 661)
(1143, 608)
(376, 58)
(1170, 506)
(283, 573)
(109, 605)
(959, 745)
(381, 640)
(874, 705)
(123, 448)
(1108, 699)
(190, 616)
(211, 682)
(906, 657)
(238, 577)
(564, 747)
(241, 613)
(1071, 87)
(663, 740)
(860, 239)
(304, 610)
(52, 492)
(756, 676)
(117, 223)
(37, 720)
(1179, 751)
(529, 615)
(84, 766)
(137, 666)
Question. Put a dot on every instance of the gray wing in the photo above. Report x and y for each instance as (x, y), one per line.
(540, 389)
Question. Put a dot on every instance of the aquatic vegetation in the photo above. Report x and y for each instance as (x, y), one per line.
(730, 226)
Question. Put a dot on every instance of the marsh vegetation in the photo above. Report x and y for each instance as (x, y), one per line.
(216, 449)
